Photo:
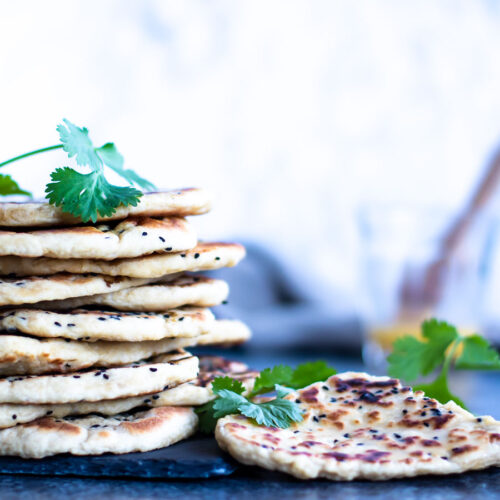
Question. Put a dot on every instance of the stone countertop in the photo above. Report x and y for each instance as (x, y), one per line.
(479, 390)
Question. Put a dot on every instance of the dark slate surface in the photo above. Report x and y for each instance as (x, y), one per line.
(195, 458)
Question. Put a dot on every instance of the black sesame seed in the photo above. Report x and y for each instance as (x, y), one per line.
(101, 318)
(156, 396)
(423, 414)
(397, 436)
(76, 376)
(57, 323)
(70, 324)
(298, 401)
(14, 417)
(217, 258)
(346, 435)
(183, 254)
(333, 400)
(162, 239)
(196, 255)
(426, 424)
(316, 419)
(105, 376)
(49, 412)
(325, 387)
(147, 401)
(144, 233)
(479, 419)
(168, 249)
(153, 369)
(405, 412)
(181, 318)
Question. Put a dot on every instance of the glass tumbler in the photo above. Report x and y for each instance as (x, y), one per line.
(406, 279)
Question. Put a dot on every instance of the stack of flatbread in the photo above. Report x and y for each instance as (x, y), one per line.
(95, 320)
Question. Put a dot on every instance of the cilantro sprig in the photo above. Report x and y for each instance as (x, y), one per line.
(276, 412)
(441, 348)
(84, 195)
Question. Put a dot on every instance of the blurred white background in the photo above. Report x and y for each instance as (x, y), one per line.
(294, 113)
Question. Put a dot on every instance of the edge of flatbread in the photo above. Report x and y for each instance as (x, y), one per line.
(358, 426)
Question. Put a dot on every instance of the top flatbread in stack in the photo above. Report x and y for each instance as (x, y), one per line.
(179, 202)
(357, 426)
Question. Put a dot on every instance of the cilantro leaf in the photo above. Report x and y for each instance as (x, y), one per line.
(88, 195)
(76, 142)
(477, 354)
(405, 360)
(305, 374)
(441, 343)
(411, 357)
(228, 403)
(206, 418)
(220, 383)
(114, 160)
(309, 373)
(278, 412)
(8, 186)
(268, 378)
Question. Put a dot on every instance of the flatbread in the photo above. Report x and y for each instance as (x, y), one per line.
(143, 377)
(203, 257)
(95, 435)
(90, 325)
(184, 290)
(357, 426)
(23, 355)
(31, 289)
(129, 238)
(180, 202)
(193, 393)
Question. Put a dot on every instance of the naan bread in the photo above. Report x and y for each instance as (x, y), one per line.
(194, 393)
(203, 257)
(90, 325)
(132, 237)
(357, 426)
(14, 291)
(178, 202)
(143, 377)
(23, 355)
(184, 290)
(95, 435)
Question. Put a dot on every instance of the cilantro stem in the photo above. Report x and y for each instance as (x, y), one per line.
(31, 153)
(450, 357)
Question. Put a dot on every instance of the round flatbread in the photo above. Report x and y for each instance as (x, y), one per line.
(193, 393)
(14, 291)
(178, 202)
(90, 325)
(95, 435)
(203, 257)
(184, 290)
(143, 377)
(23, 355)
(129, 238)
(357, 426)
